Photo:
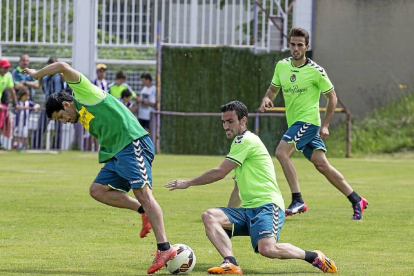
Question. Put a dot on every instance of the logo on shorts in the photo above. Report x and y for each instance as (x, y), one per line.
(136, 181)
(287, 136)
(265, 232)
(293, 78)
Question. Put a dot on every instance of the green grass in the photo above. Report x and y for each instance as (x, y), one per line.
(49, 225)
(385, 130)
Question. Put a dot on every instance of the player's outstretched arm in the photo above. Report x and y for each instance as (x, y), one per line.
(269, 97)
(208, 177)
(65, 69)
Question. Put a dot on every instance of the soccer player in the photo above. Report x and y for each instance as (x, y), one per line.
(302, 81)
(261, 214)
(126, 149)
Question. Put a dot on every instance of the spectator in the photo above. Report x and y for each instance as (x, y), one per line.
(21, 127)
(100, 80)
(147, 101)
(21, 79)
(116, 88)
(126, 99)
(51, 84)
(6, 81)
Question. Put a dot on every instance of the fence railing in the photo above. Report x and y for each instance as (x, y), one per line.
(31, 129)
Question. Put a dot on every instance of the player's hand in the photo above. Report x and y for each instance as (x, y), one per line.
(324, 132)
(266, 102)
(177, 184)
(30, 72)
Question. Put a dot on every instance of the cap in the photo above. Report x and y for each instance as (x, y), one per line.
(4, 63)
(101, 66)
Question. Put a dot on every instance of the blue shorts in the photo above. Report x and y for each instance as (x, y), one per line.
(261, 222)
(306, 138)
(130, 168)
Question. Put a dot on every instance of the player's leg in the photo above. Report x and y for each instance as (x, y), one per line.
(295, 138)
(153, 211)
(111, 188)
(134, 165)
(221, 224)
(283, 152)
(264, 233)
(215, 223)
(112, 197)
(359, 204)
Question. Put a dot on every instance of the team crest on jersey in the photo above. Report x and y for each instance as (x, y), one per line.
(293, 78)
(85, 117)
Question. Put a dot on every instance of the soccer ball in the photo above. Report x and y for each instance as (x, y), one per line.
(183, 262)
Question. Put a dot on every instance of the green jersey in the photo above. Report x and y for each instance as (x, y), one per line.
(255, 174)
(301, 87)
(6, 81)
(116, 90)
(106, 118)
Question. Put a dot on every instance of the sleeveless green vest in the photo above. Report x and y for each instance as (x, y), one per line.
(111, 123)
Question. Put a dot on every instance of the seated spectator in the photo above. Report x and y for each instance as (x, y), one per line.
(116, 88)
(100, 80)
(21, 79)
(21, 127)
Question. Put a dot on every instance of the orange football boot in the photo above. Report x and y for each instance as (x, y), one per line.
(225, 268)
(146, 226)
(161, 258)
(324, 263)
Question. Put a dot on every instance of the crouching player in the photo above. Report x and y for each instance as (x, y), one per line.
(261, 214)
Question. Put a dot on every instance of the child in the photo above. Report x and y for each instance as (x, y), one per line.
(126, 99)
(21, 129)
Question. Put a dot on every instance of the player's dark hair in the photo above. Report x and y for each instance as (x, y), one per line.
(299, 32)
(120, 75)
(126, 93)
(54, 103)
(146, 76)
(239, 107)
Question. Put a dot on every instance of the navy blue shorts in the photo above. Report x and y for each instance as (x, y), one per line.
(258, 223)
(130, 168)
(306, 138)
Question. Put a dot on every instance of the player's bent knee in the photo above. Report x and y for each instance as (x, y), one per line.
(208, 216)
(281, 154)
(322, 167)
(95, 190)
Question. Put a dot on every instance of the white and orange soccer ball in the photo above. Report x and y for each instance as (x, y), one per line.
(183, 262)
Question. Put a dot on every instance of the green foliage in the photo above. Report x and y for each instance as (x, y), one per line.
(51, 226)
(203, 79)
(385, 130)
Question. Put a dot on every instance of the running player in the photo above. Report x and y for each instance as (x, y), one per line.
(302, 81)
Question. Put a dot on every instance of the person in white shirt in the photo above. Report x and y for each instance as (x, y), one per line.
(147, 101)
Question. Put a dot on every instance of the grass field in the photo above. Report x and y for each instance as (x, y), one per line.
(49, 225)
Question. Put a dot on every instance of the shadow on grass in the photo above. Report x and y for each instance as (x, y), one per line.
(202, 267)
